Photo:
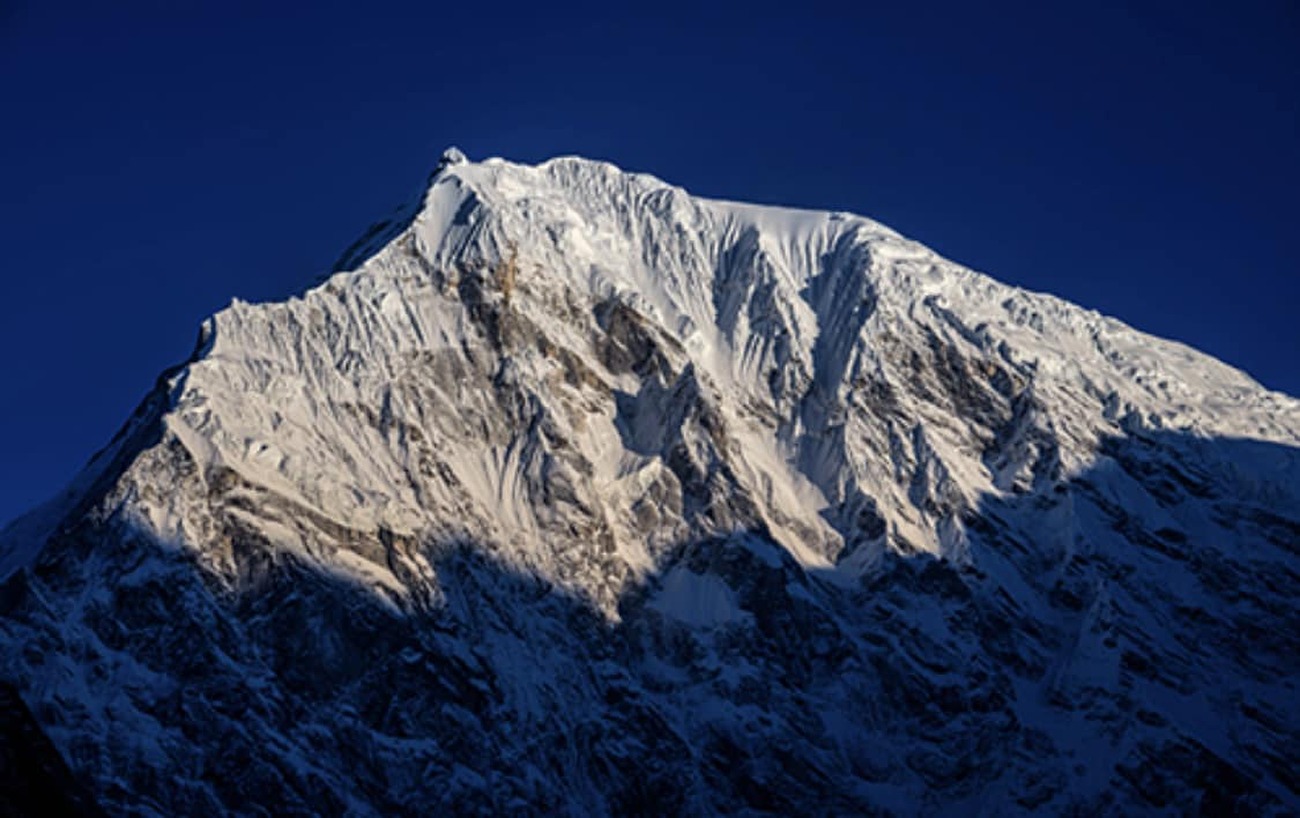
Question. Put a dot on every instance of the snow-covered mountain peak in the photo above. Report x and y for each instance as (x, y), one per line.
(561, 447)
(598, 227)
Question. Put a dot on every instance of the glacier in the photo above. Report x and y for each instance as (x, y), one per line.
(572, 493)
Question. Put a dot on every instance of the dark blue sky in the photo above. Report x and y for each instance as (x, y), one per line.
(159, 160)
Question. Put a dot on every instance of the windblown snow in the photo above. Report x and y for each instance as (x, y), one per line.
(574, 493)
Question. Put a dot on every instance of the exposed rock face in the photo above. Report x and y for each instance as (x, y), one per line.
(575, 494)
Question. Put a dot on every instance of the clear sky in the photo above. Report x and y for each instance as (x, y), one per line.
(157, 159)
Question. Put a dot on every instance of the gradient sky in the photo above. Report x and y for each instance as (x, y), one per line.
(158, 160)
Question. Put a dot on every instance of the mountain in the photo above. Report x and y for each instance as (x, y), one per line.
(571, 493)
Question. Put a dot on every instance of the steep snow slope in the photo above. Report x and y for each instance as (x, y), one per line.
(573, 492)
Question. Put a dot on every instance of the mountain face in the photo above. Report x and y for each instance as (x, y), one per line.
(571, 493)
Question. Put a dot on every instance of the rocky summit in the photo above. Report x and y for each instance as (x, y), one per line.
(570, 493)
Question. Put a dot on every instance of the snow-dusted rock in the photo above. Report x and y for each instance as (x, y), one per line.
(573, 493)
